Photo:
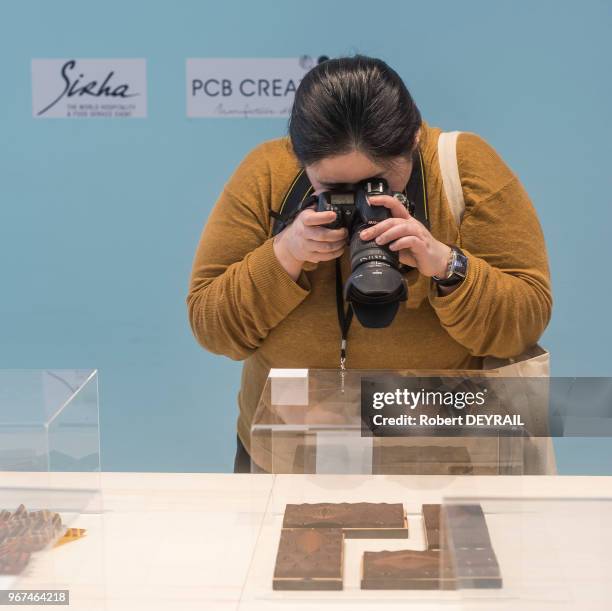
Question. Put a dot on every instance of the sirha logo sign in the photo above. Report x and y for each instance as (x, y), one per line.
(247, 87)
(89, 88)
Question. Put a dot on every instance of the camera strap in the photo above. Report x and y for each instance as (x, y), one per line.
(416, 189)
(344, 317)
(296, 199)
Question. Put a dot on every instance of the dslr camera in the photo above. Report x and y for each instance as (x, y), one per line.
(375, 286)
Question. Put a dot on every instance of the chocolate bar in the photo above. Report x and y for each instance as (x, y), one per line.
(309, 559)
(468, 544)
(357, 520)
(465, 526)
(477, 568)
(431, 521)
(404, 570)
(421, 460)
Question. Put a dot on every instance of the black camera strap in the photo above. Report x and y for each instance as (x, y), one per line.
(296, 199)
(416, 189)
(299, 196)
(344, 318)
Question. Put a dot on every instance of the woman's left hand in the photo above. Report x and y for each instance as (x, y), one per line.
(410, 238)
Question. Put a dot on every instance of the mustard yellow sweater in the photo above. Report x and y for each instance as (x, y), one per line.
(244, 305)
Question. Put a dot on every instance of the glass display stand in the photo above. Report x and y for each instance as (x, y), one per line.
(50, 460)
(309, 421)
(521, 552)
(259, 592)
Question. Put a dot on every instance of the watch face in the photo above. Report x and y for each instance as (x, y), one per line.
(458, 269)
(460, 265)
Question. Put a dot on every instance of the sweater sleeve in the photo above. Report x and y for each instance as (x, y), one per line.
(239, 291)
(505, 302)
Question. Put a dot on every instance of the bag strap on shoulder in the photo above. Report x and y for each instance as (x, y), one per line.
(447, 156)
(535, 361)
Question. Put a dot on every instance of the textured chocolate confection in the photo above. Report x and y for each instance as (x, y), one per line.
(467, 539)
(465, 526)
(33, 542)
(14, 563)
(20, 511)
(43, 515)
(431, 521)
(358, 520)
(421, 460)
(477, 568)
(403, 570)
(23, 532)
(309, 559)
(9, 546)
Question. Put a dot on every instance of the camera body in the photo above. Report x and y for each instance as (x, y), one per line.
(352, 207)
(375, 286)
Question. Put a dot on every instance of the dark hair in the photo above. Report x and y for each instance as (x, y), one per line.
(353, 103)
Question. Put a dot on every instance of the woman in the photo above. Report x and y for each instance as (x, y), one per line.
(270, 300)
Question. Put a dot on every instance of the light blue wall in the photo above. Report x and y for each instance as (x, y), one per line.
(99, 219)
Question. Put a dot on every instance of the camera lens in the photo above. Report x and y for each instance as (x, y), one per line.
(375, 286)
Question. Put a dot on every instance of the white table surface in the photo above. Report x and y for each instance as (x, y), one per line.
(208, 541)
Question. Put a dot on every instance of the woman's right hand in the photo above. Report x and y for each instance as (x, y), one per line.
(304, 240)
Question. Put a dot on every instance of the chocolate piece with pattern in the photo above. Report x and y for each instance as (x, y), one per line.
(431, 522)
(404, 570)
(357, 520)
(309, 559)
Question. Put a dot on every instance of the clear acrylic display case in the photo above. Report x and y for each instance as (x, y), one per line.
(551, 552)
(50, 454)
(49, 421)
(309, 421)
(258, 592)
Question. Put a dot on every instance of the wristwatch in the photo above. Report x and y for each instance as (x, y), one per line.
(456, 269)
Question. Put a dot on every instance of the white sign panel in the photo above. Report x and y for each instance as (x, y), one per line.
(244, 87)
(86, 88)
